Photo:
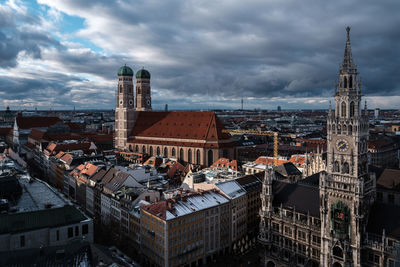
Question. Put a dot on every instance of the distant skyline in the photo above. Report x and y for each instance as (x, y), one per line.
(202, 54)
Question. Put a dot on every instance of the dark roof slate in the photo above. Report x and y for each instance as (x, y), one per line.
(27, 221)
(384, 216)
(304, 198)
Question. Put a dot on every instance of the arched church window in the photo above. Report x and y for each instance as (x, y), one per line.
(350, 82)
(143, 149)
(343, 109)
(120, 88)
(338, 129)
(151, 151)
(165, 152)
(350, 129)
(158, 151)
(130, 148)
(137, 148)
(345, 82)
(338, 252)
(138, 91)
(190, 156)
(336, 166)
(344, 129)
(352, 108)
(173, 152)
(345, 168)
(181, 154)
(198, 157)
(210, 157)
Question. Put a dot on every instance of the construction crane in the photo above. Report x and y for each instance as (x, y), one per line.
(265, 133)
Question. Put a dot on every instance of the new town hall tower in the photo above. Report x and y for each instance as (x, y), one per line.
(331, 218)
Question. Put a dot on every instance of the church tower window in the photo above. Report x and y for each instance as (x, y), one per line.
(352, 109)
(343, 109)
(158, 151)
(350, 82)
(173, 152)
(345, 82)
(181, 154)
(165, 152)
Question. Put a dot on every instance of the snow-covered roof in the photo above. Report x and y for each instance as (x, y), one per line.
(36, 195)
(232, 189)
(195, 203)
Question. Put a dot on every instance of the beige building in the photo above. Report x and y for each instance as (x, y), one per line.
(187, 230)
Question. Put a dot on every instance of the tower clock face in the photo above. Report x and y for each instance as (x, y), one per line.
(342, 145)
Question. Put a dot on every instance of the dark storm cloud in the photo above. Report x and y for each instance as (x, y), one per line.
(223, 49)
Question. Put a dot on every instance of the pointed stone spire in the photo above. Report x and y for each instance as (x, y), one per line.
(348, 64)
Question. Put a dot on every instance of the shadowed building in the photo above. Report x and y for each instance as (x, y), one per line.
(331, 218)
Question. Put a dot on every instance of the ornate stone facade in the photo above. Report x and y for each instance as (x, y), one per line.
(330, 218)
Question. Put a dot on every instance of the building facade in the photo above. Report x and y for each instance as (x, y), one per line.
(331, 218)
(190, 137)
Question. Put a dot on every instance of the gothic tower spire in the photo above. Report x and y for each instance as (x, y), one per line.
(348, 64)
(347, 170)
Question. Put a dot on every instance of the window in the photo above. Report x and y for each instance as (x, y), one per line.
(136, 148)
(288, 231)
(338, 252)
(151, 151)
(301, 235)
(350, 82)
(22, 241)
(345, 168)
(210, 157)
(120, 88)
(70, 232)
(143, 149)
(181, 154)
(198, 157)
(173, 153)
(190, 156)
(158, 151)
(391, 198)
(336, 166)
(352, 109)
(76, 230)
(343, 109)
(147, 198)
(345, 82)
(58, 235)
(85, 229)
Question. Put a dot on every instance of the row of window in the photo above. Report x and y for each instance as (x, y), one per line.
(181, 154)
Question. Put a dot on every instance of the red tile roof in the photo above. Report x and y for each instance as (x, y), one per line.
(54, 148)
(194, 125)
(36, 122)
(5, 131)
(270, 161)
(36, 134)
(225, 163)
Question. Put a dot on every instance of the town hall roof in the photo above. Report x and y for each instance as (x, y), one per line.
(186, 126)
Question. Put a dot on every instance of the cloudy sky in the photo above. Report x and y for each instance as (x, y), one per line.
(202, 54)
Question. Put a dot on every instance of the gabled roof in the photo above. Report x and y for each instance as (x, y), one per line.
(287, 169)
(194, 125)
(384, 216)
(304, 198)
(225, 163)
(389, 179)
(36, 122)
